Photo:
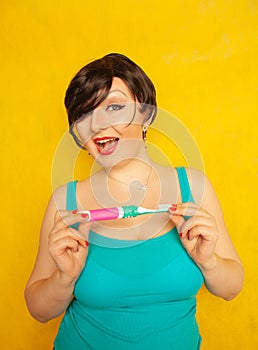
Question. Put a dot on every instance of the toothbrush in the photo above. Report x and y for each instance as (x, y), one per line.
(122, 212)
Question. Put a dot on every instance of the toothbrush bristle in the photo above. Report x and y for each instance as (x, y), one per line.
(164, 207)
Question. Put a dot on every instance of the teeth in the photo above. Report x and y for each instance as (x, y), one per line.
(105, 141)
(101, 142)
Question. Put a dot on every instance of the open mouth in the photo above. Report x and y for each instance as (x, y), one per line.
(106, 145)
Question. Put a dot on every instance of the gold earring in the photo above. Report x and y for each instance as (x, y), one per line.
(144, 132)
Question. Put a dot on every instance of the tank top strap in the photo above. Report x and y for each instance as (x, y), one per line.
(71, 203)
(186, 193)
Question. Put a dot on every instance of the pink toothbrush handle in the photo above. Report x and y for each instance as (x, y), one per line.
(105, 214)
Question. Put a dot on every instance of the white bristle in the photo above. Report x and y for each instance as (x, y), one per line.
(161, 208)
(164, 207)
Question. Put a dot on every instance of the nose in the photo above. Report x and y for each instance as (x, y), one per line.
(99, 120)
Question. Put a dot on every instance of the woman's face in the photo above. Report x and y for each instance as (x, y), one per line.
(114, 128)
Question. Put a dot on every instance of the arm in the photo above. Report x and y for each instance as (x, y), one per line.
(61, 256)
(206, 239)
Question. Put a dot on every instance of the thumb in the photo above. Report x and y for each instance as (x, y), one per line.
(178, 220)
(84, 229)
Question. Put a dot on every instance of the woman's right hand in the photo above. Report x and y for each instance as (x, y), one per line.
(67, 246)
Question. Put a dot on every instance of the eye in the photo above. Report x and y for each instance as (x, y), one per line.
(114, 107)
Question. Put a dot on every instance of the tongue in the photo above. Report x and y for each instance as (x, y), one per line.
(108, 147)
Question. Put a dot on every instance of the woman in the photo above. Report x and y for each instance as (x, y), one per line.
(129, 283)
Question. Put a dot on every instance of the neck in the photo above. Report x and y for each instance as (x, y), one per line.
(130, 169)
(129, 180)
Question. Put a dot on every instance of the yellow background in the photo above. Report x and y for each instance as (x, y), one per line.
(202, 57)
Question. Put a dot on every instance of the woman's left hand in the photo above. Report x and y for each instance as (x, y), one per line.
(198, 234)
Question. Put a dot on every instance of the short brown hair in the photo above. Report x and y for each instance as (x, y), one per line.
(91, 85)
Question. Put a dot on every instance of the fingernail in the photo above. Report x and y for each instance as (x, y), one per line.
(86, 243)
(172, 208)
(84, 215)
(75, 211)
(180, 234)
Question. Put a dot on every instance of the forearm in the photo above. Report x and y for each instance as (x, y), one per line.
(49, 298)
(223, 277)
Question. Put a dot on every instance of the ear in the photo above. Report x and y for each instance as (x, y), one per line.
(150, 114)
(145, 127)
(146, 124)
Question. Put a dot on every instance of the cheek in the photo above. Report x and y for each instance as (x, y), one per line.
(132, 131)
(90, 147)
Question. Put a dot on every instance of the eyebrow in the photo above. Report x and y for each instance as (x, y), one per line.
(117, 90)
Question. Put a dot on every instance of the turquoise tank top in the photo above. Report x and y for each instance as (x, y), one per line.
(134, 295)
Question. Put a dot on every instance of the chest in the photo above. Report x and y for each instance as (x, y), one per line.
(125, 274)
(136, 228)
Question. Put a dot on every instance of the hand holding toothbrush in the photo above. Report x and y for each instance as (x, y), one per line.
(68, 246)
(198, 234)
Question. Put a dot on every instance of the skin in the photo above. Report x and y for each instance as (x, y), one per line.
(206, 239)
(62, 252)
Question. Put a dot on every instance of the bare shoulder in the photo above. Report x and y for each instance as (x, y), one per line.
(201, 186)
(163, 170)
(56, 202)
(59, 197)
(205, 195)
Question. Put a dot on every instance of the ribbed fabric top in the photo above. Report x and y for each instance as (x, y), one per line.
(134, 295)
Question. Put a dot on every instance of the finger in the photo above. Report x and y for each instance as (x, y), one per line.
(205, 231)
(179, 221)
(59, 220)
(64, 218)
(58, 216)
(84, 229)
(195, 232)
(197, 221)
(81, 235)
(67, 233)
(62, 244)
(188, 209)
